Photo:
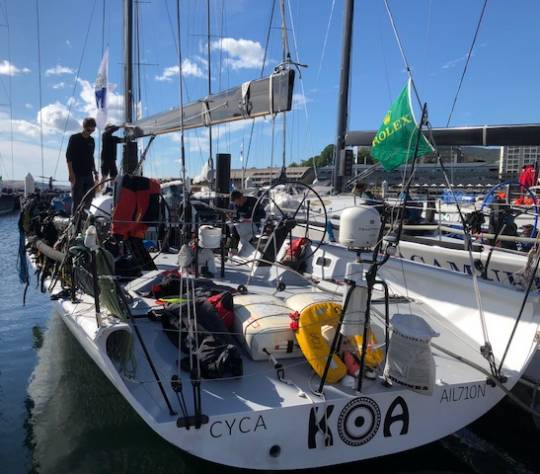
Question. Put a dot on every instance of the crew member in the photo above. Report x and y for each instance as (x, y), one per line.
(108, 151)
(81, 167)
(244, 206)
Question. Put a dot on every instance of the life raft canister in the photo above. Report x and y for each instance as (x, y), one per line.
(312, 311)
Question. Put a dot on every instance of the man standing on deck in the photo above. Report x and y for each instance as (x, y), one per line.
(81, 167)
(108, 151)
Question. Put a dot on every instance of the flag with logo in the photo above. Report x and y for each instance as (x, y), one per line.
(101, 91)
(395, 141)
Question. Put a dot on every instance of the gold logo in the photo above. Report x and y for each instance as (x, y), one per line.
(387, 118)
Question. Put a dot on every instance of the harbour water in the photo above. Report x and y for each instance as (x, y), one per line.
(59, 414)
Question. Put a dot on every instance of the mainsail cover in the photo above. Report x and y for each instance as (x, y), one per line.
(252, 99)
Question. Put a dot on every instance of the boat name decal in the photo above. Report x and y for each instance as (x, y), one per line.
(357, 423)
(243, 425)
(463, 392)
(392, 417)
(318, 426)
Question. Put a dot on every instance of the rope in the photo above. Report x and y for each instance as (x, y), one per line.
(22, 265)
(469, 54)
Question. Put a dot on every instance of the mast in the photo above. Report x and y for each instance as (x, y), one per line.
(210, 153)
(286, 60)
(129, 159)
(344, 82)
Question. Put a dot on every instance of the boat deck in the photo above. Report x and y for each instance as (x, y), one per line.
(259, 388)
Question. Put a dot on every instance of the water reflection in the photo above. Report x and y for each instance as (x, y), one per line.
(78, 422)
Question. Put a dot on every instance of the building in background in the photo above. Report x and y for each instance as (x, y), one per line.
(264, 176)
(513, 158)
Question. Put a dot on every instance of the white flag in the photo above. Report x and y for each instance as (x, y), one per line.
(101, 90)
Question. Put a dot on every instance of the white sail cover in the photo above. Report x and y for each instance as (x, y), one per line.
(252, 99)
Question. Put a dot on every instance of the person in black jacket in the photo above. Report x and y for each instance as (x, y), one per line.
(81, 167)
(108, 151)
(244, 206)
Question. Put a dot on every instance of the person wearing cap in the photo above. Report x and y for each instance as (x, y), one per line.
(108, 151)
(81, 166)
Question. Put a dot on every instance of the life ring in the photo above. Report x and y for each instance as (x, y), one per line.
(307, 323)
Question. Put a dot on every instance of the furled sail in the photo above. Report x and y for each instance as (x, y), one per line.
(483, 135)
(265, 96)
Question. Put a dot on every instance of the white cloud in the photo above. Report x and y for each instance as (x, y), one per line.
(29, 106)
(56, 117)
(28, 158)
(240, 53)
(68, 43)
(299, 100)
(21, 128)
(189, 68)
(9, 69)
(59, 85)
(59, 70)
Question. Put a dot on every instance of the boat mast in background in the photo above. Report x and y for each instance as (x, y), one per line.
(343, 104)
(129, 159)
(208, 103)
(286, 61)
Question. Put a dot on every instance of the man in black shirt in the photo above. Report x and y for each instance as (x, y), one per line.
(81, 167)
(244, 206)
(108, 151)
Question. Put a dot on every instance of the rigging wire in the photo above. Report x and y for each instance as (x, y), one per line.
(10, 90)
(486, 350)
(181, 111)
(40, 91)
(220, 69)
(268, 31)
(208, 33)
(75, 82)
(325, 41)
(286, 59)
(103, 17)
(308, 127)
(402, 51)
(469, 54)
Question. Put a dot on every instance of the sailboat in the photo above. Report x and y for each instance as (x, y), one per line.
(260, 366)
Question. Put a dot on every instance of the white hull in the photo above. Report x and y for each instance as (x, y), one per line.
(267, 425)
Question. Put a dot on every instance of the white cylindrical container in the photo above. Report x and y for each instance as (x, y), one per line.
(29, 185)
(209, 237)
(359, 227)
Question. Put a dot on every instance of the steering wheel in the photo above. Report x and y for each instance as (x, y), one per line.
(303, 202)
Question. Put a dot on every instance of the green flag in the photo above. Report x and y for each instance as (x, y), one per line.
(395, 141)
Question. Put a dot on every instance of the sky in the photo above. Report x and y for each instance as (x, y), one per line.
(501, 84)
